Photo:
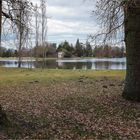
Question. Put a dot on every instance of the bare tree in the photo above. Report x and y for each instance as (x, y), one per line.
(17, 12)
(44, 26)
(122, 17)
(21, 13)
(37, 31)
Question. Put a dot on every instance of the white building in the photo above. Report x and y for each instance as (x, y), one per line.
(60, 54)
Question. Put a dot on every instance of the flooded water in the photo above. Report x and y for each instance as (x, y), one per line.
(93, 63)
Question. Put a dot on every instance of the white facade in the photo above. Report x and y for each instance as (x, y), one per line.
(60, 54)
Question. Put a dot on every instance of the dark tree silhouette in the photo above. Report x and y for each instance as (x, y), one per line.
(78, 48)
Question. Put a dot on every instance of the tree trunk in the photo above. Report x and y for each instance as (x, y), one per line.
(20, 38)
(132, 39)
(0, 23)
(20, 49)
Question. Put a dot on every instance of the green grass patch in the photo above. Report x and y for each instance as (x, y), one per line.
(14, 75)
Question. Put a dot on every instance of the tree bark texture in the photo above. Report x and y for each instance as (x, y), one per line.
(132, 39)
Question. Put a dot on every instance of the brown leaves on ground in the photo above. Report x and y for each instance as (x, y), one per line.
(82, 109)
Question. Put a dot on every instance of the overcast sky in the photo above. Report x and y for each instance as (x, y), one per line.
(69, 20)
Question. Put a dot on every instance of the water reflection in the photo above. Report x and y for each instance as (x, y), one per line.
(96, 64)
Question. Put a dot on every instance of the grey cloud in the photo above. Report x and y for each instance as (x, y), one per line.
(68, 12)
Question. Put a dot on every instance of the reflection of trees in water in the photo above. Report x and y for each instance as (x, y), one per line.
(75, 65)
(24, 64)
(89, 65)
(2, 63)
(9, 63)
(102, 65)
(109, 65)
(45, 64)
(66, 65)
(118, 65)
(79, 65)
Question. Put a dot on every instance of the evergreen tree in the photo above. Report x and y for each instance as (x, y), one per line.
(66, 48)
(78, 49)
(88, 50)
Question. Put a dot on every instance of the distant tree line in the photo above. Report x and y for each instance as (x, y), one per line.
(79, 50)
(69, 50)
(87, 50)
(8, 52)
(30, 52)
(108, 51)
(50, 50)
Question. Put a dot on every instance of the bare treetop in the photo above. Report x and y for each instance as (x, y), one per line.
(110, 14)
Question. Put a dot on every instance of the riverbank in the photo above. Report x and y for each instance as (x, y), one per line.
(67, 104)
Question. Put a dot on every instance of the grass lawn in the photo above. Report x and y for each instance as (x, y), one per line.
(13, 75)
(67, 104)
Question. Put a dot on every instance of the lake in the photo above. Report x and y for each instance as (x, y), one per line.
(90, 63)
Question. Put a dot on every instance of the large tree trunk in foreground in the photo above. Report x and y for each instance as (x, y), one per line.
(0, 23)
(3, 118)
(132, 39)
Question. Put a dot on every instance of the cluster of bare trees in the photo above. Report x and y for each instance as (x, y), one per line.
(22, 29)
(109, 51)
(41, 28)
(19, 14)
